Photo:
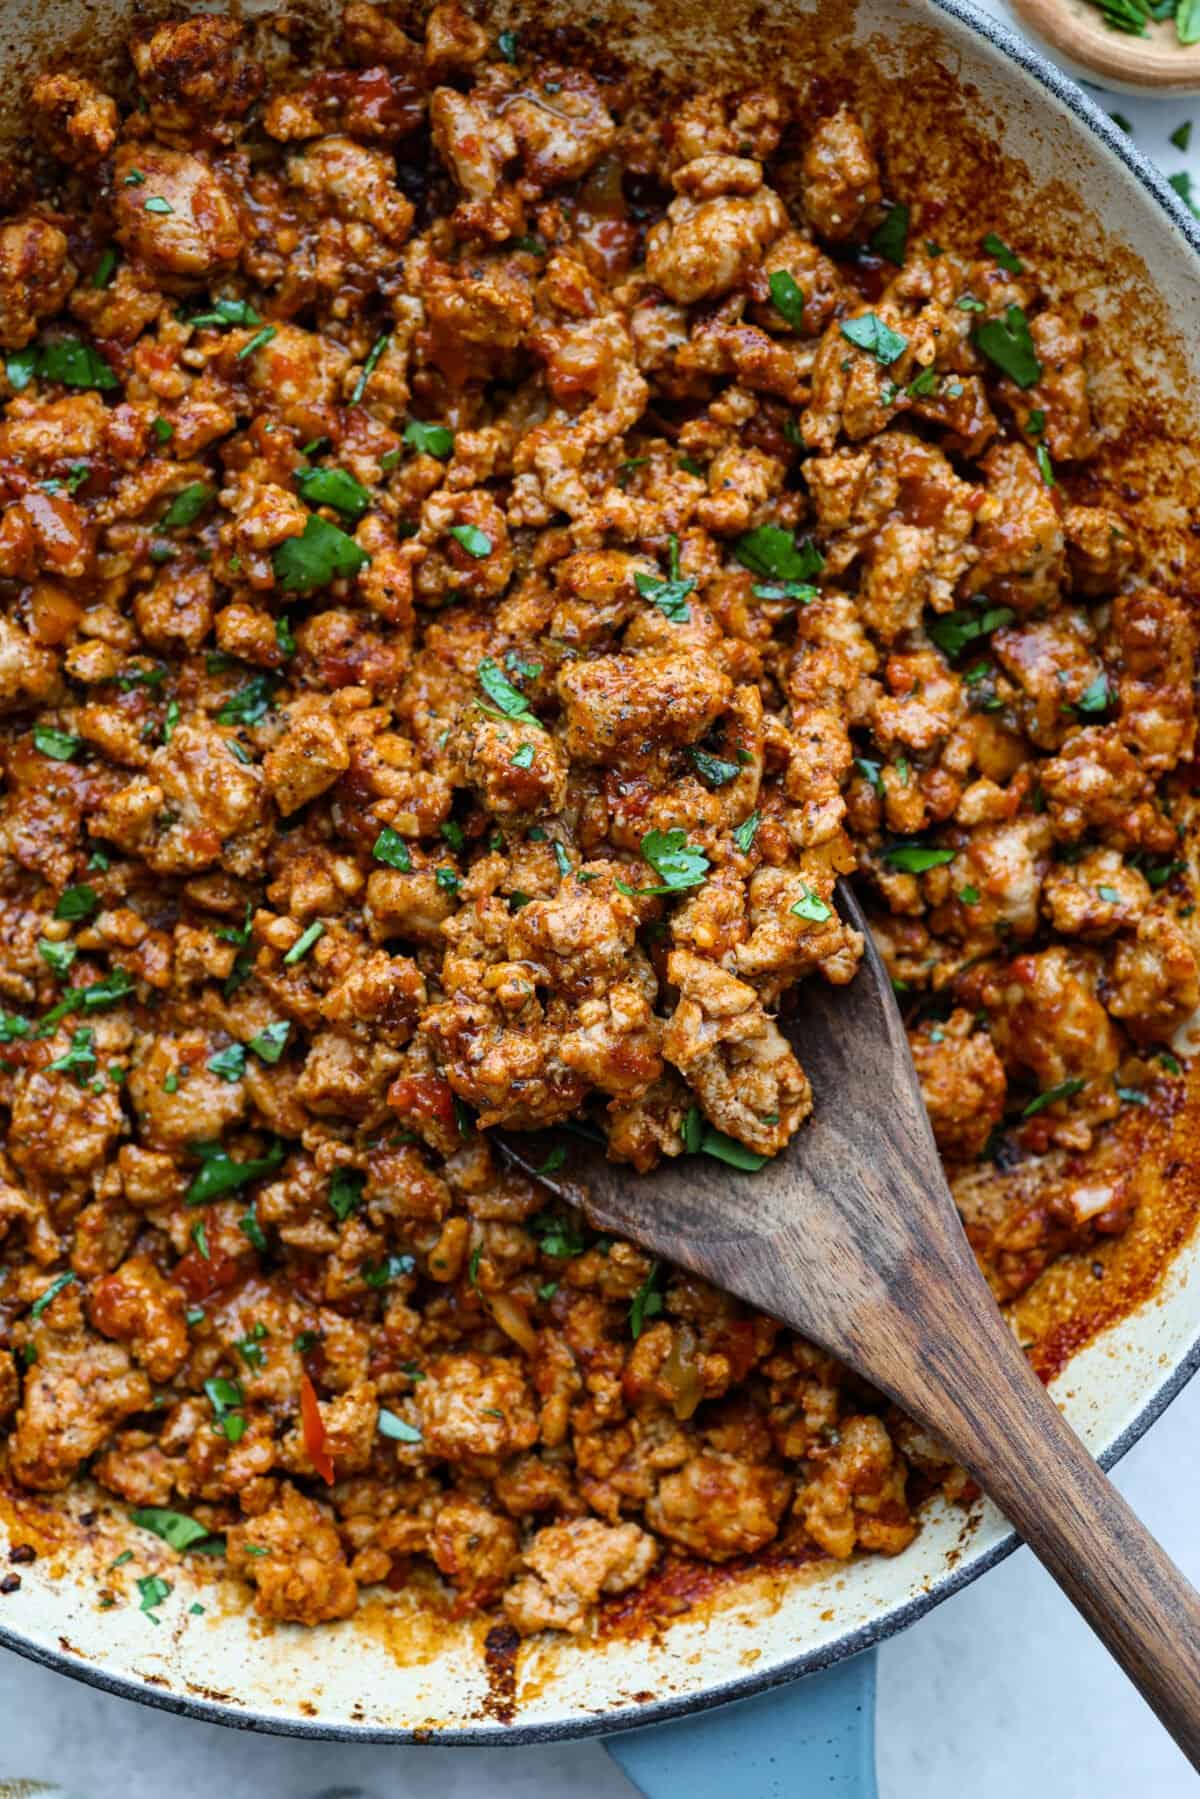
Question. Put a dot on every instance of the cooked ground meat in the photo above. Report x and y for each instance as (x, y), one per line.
(479, 559)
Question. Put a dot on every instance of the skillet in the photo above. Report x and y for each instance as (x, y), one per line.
(959, 104)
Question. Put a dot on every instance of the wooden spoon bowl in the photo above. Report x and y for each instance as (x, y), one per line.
(852, 1238)
(1156, 62)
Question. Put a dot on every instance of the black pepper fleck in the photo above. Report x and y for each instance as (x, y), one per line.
(10, 1584)
(22, 1552)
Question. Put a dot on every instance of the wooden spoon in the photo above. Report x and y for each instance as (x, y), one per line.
(1157, 61)
(852, 1238)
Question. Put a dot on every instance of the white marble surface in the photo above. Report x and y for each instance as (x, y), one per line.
(1001, 1691)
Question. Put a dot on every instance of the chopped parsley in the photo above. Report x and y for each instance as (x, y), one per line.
(79, 1059)
(916, 858)
(1094, 699)
(647, 1303)
(1006, 343)
(391, 849)
(249, 703)
(1064, 1090)
(154, 1590)
(60, 746)
(522, 756)
(745, 833)
(677, 863)
(787, 297)
(1008, 259)
(714, 771)
(219, 1173)
(58, 957)
(702, 1138)
(869, 332)
(345, 1192)
(953, 631)
(368, 367)
(429, 440)
(226, 1398)
(256, 343)
(382, 1274)
(271, 1041)
(77, 902)
(398, 1429)
(51, 1293)
(773, 553)
(304, 943)
(229, 1064)
(670, 596)
(321, 555)
(475, 542)
(333, 487)
(890, 239)
(68, 360)
(811, 907)
(175, 1528)
(222, 314)
(506, 698)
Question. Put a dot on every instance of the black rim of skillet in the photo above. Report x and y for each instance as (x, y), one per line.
(638, 1717)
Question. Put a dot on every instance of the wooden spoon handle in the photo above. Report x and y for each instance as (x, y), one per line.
(1002, 1424)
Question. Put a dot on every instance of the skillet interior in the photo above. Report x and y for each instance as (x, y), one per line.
(1006, 154)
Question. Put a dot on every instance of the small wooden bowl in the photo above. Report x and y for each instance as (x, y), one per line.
(1156, 62)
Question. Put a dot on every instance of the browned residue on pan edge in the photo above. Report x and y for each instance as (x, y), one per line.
(932, 130)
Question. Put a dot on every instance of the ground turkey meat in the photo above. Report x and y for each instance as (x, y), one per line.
(485, 549)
